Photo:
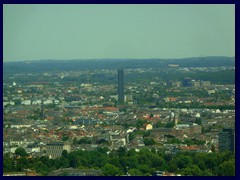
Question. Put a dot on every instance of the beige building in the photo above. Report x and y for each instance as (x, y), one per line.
(55, 149)
(148, 126)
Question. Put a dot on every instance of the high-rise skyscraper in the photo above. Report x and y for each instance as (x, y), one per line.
(227, 140)
(42, 111)
(120, 86)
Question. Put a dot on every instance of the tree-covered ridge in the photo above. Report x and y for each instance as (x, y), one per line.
(123, 161)
(94, 64)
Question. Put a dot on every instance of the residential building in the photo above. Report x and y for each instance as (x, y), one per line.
(227, 139)
(55, 149)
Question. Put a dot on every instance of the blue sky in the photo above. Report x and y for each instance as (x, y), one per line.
(33, 32)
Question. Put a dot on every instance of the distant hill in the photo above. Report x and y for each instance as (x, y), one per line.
(93, 64)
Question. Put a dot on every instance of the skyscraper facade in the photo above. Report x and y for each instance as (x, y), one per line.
(120, 86)
(227, 140)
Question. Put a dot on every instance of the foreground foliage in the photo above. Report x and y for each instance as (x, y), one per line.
(121, 162)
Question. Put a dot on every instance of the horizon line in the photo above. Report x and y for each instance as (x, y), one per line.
(5, 61)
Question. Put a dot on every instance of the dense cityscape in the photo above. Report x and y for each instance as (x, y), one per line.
(131, 118)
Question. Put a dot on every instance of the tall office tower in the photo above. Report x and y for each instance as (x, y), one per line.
(120, 86)
(187, 82)
(42, 111)
(227, 140)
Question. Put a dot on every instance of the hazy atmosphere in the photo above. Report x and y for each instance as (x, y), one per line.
(33, 32)
(119, 90)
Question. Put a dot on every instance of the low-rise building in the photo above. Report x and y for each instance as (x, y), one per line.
(55, 149)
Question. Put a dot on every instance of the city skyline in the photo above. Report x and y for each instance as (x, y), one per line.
(186, 110)
(34, 32)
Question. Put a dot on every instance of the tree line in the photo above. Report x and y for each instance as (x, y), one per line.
(123, 161)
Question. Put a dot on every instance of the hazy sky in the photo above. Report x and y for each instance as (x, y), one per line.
(33, 32)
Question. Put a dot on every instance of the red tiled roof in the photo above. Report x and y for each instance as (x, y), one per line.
(190, 148)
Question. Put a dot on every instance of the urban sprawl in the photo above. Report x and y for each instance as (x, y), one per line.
(136, 122)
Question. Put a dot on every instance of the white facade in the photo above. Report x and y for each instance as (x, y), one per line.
(21, 125)
(49, 101)
(26, 102)
(36, 102)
